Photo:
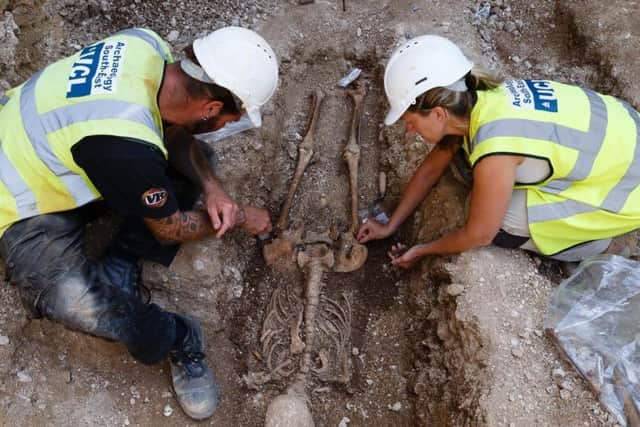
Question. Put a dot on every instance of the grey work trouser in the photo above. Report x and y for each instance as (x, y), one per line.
(45, 259)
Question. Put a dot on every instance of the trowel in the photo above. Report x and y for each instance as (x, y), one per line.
(375, 209)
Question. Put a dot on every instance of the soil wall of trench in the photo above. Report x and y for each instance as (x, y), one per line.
(457, 341)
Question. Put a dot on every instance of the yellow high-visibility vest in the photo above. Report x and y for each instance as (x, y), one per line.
(108, 88)
(592, 143)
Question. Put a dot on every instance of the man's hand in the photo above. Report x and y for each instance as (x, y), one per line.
(256, 221)
(222, 210)
(404, 258)
(372, 230)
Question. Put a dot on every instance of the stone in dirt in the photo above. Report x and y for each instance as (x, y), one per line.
(517, 352)
(455, 290)
(24, 377)
(167, 411)
(396, 407)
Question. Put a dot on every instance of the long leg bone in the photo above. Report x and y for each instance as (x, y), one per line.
(351, 153)
(351, 254)
(305, 152)
(280, 252)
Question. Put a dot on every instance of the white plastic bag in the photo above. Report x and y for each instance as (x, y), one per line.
(594, 319)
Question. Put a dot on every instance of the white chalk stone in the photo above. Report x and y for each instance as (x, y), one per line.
(167, 411)
(455, 290)
(173, 35)
(24, 377)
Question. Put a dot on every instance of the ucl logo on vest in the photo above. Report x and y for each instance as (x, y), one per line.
(532, 94)
(97, 69)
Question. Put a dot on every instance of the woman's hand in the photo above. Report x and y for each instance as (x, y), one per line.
(403, 257)
(372, 230)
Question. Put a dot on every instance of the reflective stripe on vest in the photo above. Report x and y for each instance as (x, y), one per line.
(593, 139)
(96, 110)
(25, 200)
(560, 210)
(37, 135)
(619, 194)
(141, 34)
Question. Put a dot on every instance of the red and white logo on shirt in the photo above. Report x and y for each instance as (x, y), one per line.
(155, 197)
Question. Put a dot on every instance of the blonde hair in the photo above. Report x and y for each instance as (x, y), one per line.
(458, 103)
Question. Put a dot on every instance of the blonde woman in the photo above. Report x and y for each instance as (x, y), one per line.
(555, 167)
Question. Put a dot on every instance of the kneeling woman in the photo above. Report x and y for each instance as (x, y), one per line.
(556, 169)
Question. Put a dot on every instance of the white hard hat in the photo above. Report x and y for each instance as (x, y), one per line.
(241, 61)
(418, 65)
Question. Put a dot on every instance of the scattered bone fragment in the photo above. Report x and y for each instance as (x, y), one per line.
(382, 185)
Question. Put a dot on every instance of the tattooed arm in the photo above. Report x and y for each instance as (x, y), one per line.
(180, 227)
(186, 156)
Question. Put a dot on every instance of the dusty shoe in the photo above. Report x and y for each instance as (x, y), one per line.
(193, 381)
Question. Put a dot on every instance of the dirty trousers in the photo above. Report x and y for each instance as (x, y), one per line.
(46, 260)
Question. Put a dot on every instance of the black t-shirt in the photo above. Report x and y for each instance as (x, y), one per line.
(130, 174)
